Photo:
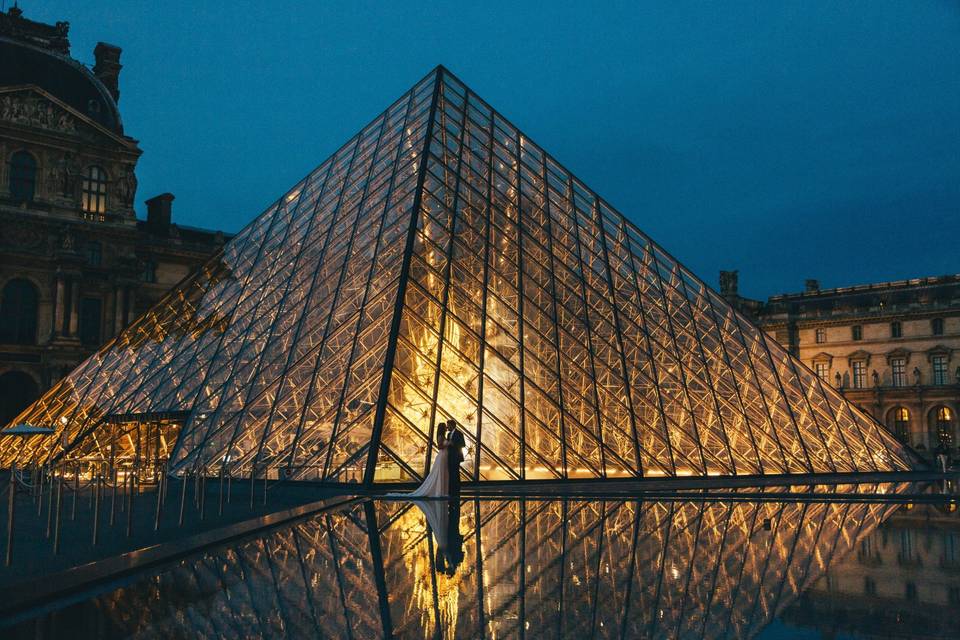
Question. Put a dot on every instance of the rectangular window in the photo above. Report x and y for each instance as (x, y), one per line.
(859, 374)
(939, 369)
(94, 253)
(856, 332)
(899, 368)
(896, 330)
(90, 319)
(149, 273)
(936, 326)
(821, 336)
(823, 371)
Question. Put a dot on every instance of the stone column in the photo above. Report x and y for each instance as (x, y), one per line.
(74, 307)
(118, 311)
(58, 308)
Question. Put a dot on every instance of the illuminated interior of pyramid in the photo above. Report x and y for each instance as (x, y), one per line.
(441, 266)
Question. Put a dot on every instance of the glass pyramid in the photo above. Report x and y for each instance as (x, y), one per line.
(442, 266)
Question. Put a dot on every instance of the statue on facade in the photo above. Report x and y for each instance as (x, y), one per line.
(127, 188)
(68, 241)
(876, 378)
(838, 380)
(6, 108)
(56, 176)
(916, 376)
(71, 173)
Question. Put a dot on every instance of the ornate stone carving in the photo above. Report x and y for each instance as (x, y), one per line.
(21, 236)
(34, 111)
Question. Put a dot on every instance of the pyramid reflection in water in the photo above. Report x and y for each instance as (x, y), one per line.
(441, 265)
(553, 569)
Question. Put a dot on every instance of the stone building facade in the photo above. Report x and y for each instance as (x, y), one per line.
(893, 348)
(76, 266)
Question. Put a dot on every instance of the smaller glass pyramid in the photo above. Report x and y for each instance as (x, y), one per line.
(442, 266)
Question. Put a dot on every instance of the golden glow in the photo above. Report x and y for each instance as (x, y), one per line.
(565, 342)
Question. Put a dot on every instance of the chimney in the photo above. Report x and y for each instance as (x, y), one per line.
(811, 286)
(107, 67)
(729, 283)
(159, 214)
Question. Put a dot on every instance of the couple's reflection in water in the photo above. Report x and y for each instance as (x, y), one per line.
(443, 519)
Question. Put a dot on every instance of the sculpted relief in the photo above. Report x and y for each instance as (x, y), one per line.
(36, 111)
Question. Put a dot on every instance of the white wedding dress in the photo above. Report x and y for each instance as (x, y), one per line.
(437, 482)
(435, 485)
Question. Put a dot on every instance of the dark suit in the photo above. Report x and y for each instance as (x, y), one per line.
(454, 458)
(454, 537)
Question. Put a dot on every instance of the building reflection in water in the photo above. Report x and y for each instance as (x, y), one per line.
(902, 581)
(569, 568)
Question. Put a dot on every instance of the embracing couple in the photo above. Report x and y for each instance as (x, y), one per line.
(444, 478)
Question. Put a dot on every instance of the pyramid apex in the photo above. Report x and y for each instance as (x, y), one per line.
(441, 266)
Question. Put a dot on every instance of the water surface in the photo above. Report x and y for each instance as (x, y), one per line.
(772, 566)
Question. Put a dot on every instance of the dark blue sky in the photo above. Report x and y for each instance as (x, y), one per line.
(784, 139)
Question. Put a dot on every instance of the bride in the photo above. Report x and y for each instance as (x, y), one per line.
(437, 482)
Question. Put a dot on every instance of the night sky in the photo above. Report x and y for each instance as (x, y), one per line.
(786, 140)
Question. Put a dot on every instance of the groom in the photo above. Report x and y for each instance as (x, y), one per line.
(454, 458)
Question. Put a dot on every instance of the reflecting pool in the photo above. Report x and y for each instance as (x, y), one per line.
(768, 566)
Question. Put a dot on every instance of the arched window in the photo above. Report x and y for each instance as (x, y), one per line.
(898, 421)
(941, 426)
(23, 176)
(18, 313)
(93, 193)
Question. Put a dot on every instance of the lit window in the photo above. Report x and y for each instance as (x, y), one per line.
(896, 329)
(939, 369)
(859, 374)
(856, 332)
(943, 426)
(936, 326)
(94, 194)
(823, 370)
(900, 423)
(821, 336)
(23, 176)
(899, 367)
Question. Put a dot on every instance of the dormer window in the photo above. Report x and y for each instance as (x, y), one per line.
(93, 193)
(23, 176)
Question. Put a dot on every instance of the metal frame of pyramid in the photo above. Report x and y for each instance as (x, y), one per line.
(442, 266)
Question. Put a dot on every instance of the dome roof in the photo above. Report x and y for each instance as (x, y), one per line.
(60, 76)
